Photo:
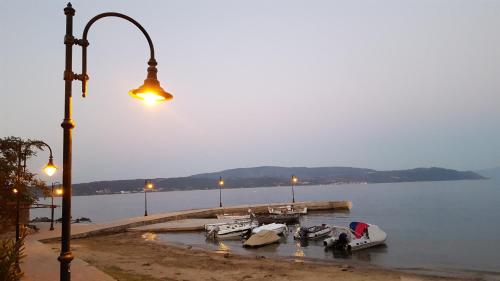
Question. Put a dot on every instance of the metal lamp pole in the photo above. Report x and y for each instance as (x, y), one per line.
(145, 200)
(147, 185)
(50, 169)
(16, 192)
(52, 208)
(293, 180)
(221, 184)
(150, 92)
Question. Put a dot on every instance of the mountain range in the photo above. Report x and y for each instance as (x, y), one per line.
(266, 176)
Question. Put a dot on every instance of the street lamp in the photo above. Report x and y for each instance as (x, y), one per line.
(150, 92)
(49, 169)
(221, 184)
(294, 181)
(16, 192)
(147, 185)
(58, 192)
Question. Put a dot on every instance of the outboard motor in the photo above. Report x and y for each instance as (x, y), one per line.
(303, 232)
(343, 242)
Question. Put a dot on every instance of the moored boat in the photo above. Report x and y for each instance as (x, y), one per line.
(233, 216)
(358, 236)
(264, 237)
(211, 226)
(277, 228)
(277, 218)
(230, 230)
(288, 209)
(313, 232)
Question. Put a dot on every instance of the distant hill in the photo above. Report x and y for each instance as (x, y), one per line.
(493, 173)
(276, 176)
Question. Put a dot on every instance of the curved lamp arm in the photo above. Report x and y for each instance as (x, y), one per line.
(38, 144)
(152, 62)
(44, 144)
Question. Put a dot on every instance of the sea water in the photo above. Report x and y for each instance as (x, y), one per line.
(443, 226)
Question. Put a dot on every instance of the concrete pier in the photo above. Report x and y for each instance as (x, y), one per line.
(41, 262)
(88, 230)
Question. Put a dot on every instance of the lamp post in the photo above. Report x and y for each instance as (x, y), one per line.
(221, 184)
(57, 192)
(147, 185)
(150, 92)
(293, 180)
(22, 156)
(16, 192)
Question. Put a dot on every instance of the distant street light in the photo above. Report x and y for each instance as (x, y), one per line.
(147, 185)
(150, 92)
(49, 169)
(58, 192)
(294, 181)
(221, 184)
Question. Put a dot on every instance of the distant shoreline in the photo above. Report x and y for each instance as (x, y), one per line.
(301, 185)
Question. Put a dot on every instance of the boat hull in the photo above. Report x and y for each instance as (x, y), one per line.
(283, 218)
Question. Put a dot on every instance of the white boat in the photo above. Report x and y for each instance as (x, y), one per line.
(262, 238)
(288, 209)
(230, 231)
(313, 232)
(211, 226)
(357, 236)
(277, 228)
(232, 216)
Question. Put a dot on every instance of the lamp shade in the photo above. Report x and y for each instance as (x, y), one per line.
(151, 92)
(50, 168)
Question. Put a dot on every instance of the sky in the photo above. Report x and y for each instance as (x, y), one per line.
(382, 84)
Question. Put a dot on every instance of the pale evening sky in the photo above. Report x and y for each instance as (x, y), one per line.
(377, 84)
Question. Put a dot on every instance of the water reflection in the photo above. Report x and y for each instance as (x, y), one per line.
(222, 248)
(149, 236)
(298, 251)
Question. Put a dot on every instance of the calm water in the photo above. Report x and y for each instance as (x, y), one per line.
(452, 225)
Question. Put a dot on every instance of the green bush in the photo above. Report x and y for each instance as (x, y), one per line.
(11, 254)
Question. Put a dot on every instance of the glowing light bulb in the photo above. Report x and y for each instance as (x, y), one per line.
(50, 169)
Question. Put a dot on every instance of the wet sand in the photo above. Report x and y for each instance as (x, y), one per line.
(132, 257)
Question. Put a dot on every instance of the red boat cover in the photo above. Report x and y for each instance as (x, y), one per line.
(358, 228)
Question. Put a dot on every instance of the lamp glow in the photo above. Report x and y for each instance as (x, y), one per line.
(59, 191)
(151, 92)
(295, 179)
(14, 190)
(221, 182)
(50, 169)
(150, 185)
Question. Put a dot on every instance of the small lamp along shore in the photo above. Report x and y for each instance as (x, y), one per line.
(49, 169)
(294, 181)
(148, 185)
(221, 184)
(150, 92)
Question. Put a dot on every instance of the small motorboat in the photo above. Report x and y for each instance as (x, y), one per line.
(264, 237)
(278, 228)
(230, 230)
(313, 232)
(358, 236)
(289, 209)
(278, 218)
(211, 226)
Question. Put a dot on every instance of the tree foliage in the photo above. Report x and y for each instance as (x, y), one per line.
(14, 152)
(11, 255)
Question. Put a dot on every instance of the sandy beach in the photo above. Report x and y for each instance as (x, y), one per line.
(134, 257)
